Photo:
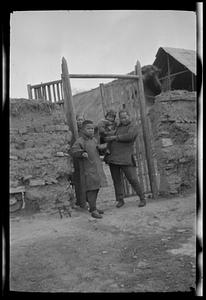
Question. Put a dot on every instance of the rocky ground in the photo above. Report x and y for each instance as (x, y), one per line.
(132, 249)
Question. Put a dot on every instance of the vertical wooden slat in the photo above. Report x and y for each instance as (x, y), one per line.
(29, 91)
(103, 98)
(146, 135)
(54, 92)
(44, 92)
(39, 93)
(49, 93)
(35, 94)
(58, 93)
(62, 91)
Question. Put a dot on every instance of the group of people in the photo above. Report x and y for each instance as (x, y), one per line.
(116, 143)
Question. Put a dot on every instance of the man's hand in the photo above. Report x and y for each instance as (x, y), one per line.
(110, 138)
(85, 155)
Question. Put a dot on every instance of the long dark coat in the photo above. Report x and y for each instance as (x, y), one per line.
(92, 166)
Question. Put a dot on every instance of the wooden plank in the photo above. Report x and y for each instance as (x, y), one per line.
(29, 91)
(58, 93)
(146, 134)
(54, 93)
(39, 93)
(61, 89)
(102, 93)
(35, 93)
(44, 92)
(49, 93)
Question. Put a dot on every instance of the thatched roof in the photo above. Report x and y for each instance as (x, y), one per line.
(184, 56)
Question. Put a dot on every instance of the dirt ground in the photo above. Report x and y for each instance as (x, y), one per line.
(132, 249)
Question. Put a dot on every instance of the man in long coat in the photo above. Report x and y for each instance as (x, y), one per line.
(121, 158)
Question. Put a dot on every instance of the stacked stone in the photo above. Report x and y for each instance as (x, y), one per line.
(173, 124)
(39, 144)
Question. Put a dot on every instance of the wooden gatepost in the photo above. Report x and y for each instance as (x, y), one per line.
(78, 176)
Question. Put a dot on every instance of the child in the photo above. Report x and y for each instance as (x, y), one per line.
(86, 150)
(106, 128)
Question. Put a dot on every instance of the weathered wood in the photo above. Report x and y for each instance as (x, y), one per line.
(54, 93)
(46, 83)
(102, 93)
(58, 92)
(35, 94)
(68, 101)
(62, 92)
(146, 135)
(29, 91)
(49, 93)
(44, 92)
(103, 76)
(79, 173)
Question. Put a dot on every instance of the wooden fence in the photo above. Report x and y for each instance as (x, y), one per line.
(50, 91)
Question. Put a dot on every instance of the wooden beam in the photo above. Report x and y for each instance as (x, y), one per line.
(103, 76)
(146, 135)
(174, 74)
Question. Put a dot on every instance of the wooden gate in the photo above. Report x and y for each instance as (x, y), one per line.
(128, 93)
(124, 94)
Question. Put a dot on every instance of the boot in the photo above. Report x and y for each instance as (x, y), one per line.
(96, 215)
(120, 203)
(142, 203)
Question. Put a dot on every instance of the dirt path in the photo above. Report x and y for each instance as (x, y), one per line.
(150, 249)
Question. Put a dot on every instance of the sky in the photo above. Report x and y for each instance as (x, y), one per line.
(92, 42)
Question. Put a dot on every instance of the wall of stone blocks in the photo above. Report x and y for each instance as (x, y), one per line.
(173, 122)
(39, 144)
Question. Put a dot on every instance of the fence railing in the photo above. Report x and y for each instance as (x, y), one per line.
(50, 91)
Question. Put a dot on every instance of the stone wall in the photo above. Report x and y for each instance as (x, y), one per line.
(39, 144)
(173, 124)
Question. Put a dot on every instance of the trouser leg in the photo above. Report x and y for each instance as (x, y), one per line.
(92, 199)
(131, 175)
(117, 181)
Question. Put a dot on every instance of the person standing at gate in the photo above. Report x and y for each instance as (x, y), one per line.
(86, 149)
(121, 158)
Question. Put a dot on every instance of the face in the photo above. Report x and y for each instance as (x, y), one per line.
(80, 121)
(89, 130)
(110, 118)
(124, 118)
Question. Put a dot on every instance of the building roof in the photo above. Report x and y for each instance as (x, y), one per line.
(184, 56)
